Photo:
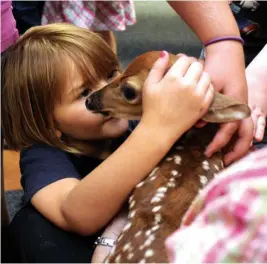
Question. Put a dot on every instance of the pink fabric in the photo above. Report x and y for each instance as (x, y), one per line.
(9, 32)
(95, 15)
(227, 222)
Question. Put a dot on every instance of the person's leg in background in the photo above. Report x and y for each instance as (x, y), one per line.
(103, 17)
(27, 14)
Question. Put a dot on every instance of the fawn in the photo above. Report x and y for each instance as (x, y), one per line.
(158, 203)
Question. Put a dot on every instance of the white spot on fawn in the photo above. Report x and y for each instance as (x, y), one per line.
(153, 172)
(154, 228)
(205, 165)
(152, 178)
(127, 226)
(140, 184)
(148, 242)
(132, 204)
(155, 199)
(157, 219)
(156, 208)
(203, 179)
(132, 214)
(118, 258)
(216, 167)
(142, 247)
(168, 159)
(174, 172)
(130, 256)
(171, 184)
(149, 253)
(162, 189)
(131, 198)
(120, 237)
(142, 261)
(160, 195)
(148, 232)
(126, 247)
(177, 159)
(138, 233)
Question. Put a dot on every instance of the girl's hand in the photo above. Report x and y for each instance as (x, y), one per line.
(176, 100)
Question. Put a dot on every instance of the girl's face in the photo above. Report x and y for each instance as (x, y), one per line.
(73, 118)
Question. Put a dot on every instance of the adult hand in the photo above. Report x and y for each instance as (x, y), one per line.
(257, 91)
(112, 231)
(225, 64)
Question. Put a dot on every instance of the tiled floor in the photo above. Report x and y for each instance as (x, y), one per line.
(11, 170)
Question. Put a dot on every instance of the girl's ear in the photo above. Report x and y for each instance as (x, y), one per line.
(58, 133)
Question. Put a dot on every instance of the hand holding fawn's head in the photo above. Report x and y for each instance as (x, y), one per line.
(123, 96)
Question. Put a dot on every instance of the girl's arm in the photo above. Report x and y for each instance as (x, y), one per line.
(88, 205)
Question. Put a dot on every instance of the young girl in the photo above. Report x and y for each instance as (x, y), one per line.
(70, 193)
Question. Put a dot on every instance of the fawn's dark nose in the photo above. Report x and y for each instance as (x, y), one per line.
(93, 103)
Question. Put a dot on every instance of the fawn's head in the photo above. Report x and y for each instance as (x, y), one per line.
(122, 97)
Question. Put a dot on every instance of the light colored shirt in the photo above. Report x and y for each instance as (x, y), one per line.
(227, 222)
(9, 32)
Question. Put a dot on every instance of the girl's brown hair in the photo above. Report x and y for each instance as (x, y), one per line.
(34, 70)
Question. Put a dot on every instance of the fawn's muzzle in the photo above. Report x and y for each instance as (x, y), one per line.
(93, 104)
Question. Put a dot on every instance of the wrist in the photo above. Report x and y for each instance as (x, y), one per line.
(164, 136)
(225, 38)
(226, 46)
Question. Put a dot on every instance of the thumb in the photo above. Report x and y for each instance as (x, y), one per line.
(158, 69)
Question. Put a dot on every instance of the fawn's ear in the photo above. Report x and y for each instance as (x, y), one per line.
(226, 109)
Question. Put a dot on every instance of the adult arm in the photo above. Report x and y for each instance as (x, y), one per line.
(225, 64)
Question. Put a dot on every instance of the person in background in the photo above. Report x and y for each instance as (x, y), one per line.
(103, 17)
(9, 32)
(27, 14)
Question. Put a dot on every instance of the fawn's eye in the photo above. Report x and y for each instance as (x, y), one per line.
(112, 74)
(129, 93)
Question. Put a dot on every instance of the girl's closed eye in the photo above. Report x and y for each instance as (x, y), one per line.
(84, 92)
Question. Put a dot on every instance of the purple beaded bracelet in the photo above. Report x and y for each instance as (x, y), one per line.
(224, 38)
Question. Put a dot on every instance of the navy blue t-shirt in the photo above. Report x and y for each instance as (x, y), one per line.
(42, 165)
